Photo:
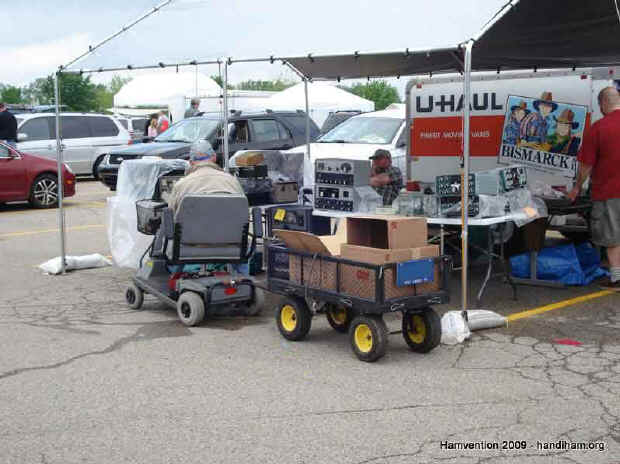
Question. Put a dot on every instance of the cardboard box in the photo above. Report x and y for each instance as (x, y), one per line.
(392, 232)
(358, 281)
(283, 192)
(313, 271)
(384, 256)
(250, 158)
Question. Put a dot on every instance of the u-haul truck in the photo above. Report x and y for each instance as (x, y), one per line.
(533, 118)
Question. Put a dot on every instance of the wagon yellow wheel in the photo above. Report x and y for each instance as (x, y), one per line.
(339, 318)
(294, 319)
(422, 330)
(369, 337)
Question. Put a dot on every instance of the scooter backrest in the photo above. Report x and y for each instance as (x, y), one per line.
(213, 219)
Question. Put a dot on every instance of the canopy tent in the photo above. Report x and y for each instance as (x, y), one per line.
(523, 34)
(323, 98)
(157, 88)
(166, 89)
(561, 34)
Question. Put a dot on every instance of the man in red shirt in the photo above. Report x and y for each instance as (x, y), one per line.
(600, 157)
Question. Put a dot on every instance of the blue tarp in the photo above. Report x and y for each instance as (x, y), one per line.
(569, 264)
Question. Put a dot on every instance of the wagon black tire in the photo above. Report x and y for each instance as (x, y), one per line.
(369, 337)
(294, 319)
(339, 317)
(44, 191)
(191, 308)
(256, 305)
(422, 330)
(134, 296)
(96, 166)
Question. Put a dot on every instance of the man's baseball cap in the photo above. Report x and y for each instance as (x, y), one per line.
(201, 150)
(380, 153)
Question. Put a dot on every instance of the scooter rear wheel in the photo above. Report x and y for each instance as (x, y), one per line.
(191, 308)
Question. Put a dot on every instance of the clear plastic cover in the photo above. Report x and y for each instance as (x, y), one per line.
(369, 199)
(136, 181)
(282, 167)
(137, 178)
(520, 204)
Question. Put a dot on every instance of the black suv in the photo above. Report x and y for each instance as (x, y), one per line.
(269, 130)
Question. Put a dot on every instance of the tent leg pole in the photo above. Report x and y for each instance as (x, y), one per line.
(59, 165)
(307, 118)
(225, 119)
(465, 175)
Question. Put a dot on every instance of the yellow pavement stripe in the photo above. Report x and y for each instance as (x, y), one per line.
(67, 205)
(45, 231)
(558, 305)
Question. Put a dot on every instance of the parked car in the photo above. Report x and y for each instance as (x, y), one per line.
(360, 136)
(268, 130)
(336, 117)
(86, 137)
(31, 178)
(135, 127)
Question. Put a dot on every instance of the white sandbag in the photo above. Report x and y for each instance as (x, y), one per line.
(454, 328)
(53, 266)
(478, 319)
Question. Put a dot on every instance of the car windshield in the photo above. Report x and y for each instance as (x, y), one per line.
(188, 130)
(363, 130)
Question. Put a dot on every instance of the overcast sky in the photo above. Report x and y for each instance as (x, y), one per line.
(39, 35)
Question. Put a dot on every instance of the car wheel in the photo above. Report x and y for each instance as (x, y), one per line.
(44, 191)
(96, 167)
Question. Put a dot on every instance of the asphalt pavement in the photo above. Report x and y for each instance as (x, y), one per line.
(85, 379)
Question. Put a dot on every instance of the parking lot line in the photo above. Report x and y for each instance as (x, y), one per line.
(558, 305)
(68, 204)
(45, 231)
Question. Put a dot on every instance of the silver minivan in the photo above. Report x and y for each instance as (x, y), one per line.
(86, 137)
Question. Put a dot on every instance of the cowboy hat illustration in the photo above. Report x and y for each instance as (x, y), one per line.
(546, 98)
(566, 117)
(521, 106)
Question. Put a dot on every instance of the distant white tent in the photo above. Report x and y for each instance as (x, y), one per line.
(165, 89)
(323, 98)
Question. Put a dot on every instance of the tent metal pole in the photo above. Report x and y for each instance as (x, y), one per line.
(465, 174)
(59, 165)
(91, 49)
(225, 120)
(307, 118)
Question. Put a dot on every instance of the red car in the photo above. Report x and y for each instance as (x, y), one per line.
(31, 178)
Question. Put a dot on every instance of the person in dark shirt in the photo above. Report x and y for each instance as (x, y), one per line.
(8, 126)
(386, 179)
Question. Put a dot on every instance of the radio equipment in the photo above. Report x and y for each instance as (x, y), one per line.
(492, 182)
(336, 182)
(295, 217)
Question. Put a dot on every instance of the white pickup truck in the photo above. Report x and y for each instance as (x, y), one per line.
(359, 137)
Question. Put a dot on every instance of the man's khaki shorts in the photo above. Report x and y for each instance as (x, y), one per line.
(605, 222)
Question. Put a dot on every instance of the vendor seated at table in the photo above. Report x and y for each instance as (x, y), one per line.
(204, 176)
(387, 180)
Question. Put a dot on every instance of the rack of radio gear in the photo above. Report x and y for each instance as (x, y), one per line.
(489, 191)
(343, 185)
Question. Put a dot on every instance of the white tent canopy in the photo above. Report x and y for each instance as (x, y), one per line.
(158, 88)
(323, 98)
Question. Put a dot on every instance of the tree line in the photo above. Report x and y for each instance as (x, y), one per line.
(78, 93)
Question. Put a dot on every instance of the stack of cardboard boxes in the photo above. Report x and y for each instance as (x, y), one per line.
(374, 240)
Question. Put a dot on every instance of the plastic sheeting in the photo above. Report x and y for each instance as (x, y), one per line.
(568, 264)
(137, 178)
(136, 181)
(520, 204)
(281, 167)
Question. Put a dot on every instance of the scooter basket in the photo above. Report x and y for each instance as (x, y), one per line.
(149, 215)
